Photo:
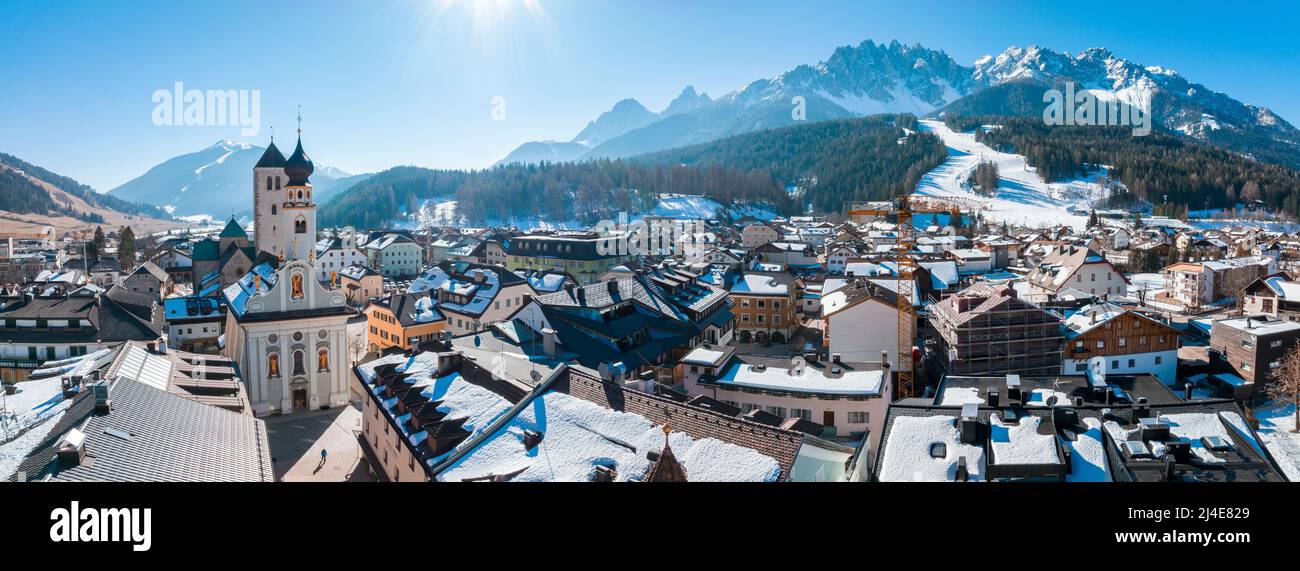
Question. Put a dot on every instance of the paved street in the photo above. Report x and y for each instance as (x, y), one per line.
(297, 439)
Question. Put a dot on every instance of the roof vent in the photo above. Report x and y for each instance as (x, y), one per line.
(604, 474)
(72, 450)
(963, 473)
(531, 439)
(100, 391)
(938, 450)
(1216, 443)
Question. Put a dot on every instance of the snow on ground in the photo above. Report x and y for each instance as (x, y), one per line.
(1022, 198)
(433, 212)
(1275, 429)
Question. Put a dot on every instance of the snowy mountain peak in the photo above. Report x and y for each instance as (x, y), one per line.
(688, 100)
(625, 116)
(871, 78)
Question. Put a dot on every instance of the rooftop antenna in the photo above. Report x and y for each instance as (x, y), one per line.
(272, 134)
(300, 121)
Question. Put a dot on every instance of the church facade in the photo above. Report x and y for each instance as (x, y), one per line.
(287, 331)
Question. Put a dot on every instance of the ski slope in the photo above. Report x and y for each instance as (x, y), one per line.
(1022, 197)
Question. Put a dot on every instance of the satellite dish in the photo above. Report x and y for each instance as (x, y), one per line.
(535, 375)
(477, 342)
(1052, 400)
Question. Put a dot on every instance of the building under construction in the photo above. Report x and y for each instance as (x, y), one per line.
(988, 330)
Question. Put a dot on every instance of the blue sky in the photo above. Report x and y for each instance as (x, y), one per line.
(384, 83)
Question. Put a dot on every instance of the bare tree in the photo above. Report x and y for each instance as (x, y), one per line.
(1286, 383)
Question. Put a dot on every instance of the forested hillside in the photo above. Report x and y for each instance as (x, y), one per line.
(867, 158)
(1158, 168)
(20, 193)
(585, 191)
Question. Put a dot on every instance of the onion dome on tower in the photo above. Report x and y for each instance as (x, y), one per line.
(299, 167)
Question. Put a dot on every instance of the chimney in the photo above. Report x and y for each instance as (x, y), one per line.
(532, 438)
(970, 423)
(1187, 391)
(835, 358)
(102, 403)
(1141, 410)
(582, 295)
(994, 397)
(612, 286)
(963, 473)
(548, 342)
(1013, 388)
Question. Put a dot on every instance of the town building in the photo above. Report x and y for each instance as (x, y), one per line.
(136, 413)
(847, 400)
(1068, 429)
(1199, 284)
(766, 305)
(338, 252)
(194, 323)
(472, 296)
(860, 324)
(37, 328)
(286, 330)
(425, 419)
(394, 254)
(755, 235)
(1253, 346)
(1275, 295)
(583, 256)
(1078, 268)
(1119, 341)
(402, 321)
(360, 283)
(986, 330)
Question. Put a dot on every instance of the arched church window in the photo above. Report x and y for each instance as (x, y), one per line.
(272, 210)
(300, 226)
(299, 363)
(277, 183)
(268, 183)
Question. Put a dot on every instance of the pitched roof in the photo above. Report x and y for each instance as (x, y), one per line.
(233, 230)
(152, 435)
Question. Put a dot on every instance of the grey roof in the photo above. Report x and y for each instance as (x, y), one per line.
(171, 439)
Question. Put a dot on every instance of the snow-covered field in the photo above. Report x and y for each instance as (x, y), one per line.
(1275, 426)
(684, 206)
(1022, 198)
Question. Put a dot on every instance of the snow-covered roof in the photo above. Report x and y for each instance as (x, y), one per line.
(808, 379)
(1021, 442)
(759, 284)
(907, 454)
(577, 436)
(459, 398)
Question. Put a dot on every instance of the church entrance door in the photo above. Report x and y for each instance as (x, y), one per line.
(299, 399)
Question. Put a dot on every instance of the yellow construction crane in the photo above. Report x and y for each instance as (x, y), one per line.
(904, 208)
